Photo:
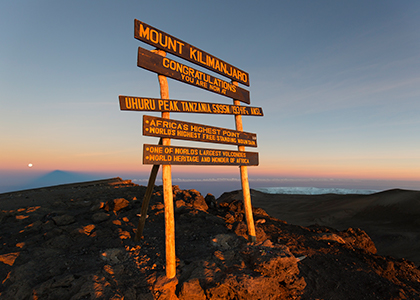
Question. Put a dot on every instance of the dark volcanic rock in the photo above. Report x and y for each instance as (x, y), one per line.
(190, 198)
(358, 239)
(76, 242)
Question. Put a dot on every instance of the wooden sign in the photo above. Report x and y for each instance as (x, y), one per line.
(166, 155)
(168, 43)
(184, 106)
(171, 68)
(169, 128)
(173, 155)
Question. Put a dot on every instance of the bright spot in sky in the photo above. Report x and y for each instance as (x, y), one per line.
(30, 165)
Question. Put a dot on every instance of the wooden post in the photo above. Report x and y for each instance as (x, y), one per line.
(146, 200)
(168, 198)
(245, 183)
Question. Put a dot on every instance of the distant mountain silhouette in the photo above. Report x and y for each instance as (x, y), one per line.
(58, 177)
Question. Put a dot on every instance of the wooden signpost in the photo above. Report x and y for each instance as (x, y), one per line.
(166, 155)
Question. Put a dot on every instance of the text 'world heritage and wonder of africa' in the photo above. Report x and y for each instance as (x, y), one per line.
(173, 155)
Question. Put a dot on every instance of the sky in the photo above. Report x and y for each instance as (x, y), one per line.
(338, 81)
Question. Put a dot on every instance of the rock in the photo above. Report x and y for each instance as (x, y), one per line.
(60, 242)
(236, 206)
(267, 243)
(179, 203)
(214, 219)
(9, 258)
(144, 296)
(230, 219)
(4, 215)
(192, 290)
(95, 287)
(22, 290)
(274, 272)
(257, 211)
(97, 206)
(130, 294)
(359, 239)
(57, 282)
(100, 217)
(329, 237)
(35, 226)
(180, 207)
(63, 220)
(200, 203)
(225, 255)
(224, 241)
(210, 200)
(120, 204)
(279, 262)
(227, 198)
(242, 230)
(260, 221)
(165, 288)
(113, 256)
(117, 204)
(191, 198)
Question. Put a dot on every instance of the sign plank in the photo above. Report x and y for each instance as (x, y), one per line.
(184, 106)
(168, 43)
(173, 69)
(174, 129)
(173, 155)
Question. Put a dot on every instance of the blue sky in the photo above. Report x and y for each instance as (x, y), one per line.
(339, 83)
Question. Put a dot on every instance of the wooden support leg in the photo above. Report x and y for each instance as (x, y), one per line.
(247, 204)
(167, 190)
(245, 184)
(146, 200)
(169, 222)
(145, 203)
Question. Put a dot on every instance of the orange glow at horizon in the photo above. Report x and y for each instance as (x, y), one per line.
(270, 166)
(306, 171)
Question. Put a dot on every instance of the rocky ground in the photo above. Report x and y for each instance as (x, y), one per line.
(77, 242)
